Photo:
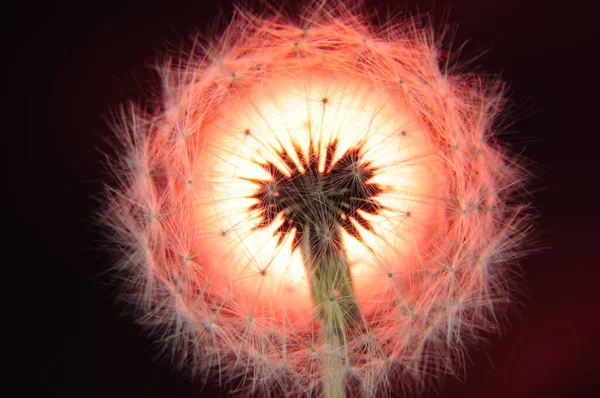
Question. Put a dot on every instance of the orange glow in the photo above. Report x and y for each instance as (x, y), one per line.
(203, 265)
(291, 111)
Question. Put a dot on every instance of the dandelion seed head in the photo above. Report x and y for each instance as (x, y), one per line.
(283, 146)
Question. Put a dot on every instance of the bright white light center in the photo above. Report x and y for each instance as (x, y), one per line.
(324, 108)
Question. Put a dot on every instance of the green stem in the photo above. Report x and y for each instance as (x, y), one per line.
(333, 296)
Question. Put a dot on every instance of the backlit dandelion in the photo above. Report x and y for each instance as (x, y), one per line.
(317, 207)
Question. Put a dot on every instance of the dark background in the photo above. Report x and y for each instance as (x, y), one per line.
(70, 65)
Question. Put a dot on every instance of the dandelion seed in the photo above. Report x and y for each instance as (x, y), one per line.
(323, 226)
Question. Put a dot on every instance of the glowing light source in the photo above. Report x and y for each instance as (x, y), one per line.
(290, 111)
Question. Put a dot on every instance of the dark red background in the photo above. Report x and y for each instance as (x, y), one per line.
(71, 64)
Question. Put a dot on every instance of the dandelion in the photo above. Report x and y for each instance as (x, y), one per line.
(317, 207)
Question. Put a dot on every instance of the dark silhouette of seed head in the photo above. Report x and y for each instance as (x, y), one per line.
(317, 200)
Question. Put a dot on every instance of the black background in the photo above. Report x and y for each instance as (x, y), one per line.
(70, 65)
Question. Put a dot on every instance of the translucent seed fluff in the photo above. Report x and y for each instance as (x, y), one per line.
(318, 203)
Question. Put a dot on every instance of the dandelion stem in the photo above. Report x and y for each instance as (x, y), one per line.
(333, 296)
